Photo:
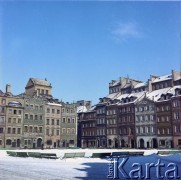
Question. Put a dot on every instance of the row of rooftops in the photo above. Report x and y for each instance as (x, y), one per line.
(124, 81)
(117, 97)
(155, 96)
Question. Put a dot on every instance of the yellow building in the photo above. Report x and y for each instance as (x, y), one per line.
(14, 121)
(52, 125)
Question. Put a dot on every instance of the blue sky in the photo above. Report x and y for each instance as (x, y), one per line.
(81, 46)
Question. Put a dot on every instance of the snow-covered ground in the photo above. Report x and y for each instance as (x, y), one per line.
(15, 168)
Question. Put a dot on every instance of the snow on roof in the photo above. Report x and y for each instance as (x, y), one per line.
(121, 96)
(116, 83)
(91, 109)
(140, 85)
(54, 104)
(111, 96)
(81, 109)
(137, 95)
(178, 78)
(163, 78)
(155, 95)
(172, 90)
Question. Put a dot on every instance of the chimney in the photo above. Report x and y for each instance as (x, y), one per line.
(8, 88)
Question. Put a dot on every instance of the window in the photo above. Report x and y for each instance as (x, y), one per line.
(31, 129)
(151, 117)
(36, 117)
(9, 120)
(63, 110)
(146, 118)
(31, 106)
(26, 116)
(25, 128)
(68, 120)
(162, 142)
(137, 130)
(73, 120)
(53, 110)
(3, 101)
(167, 108)
(14, 131)
(63, 120)
(19, 112)
(58, 133)
(58, 111)
(35, 129)
(41, 108)
(148, 129)
(41, 117)
(19, 131)
(67, 111)
(47, 131)
(19, 120)
(8, 142)
(31, 117)
(176, 103)
(0, 142)
(179, 142)
(48, 110)
(15, 112)
(48, 121)
(46, 92)
(143, 129)
(40, 130)
(167, 118)
(1, 130)
(53, 122)
(141, 118)
(36, 107)
(73, 131)
(1, 120)
(10, 111)
(58, 122)
(176, 115)
(158, 119)
(25, 141)
(63, 130)
(14, 120)
(2, 110)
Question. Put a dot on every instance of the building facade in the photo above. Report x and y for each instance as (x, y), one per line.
(145, 124)
(69, 125)
(176, 117)
(89, 139)
(2, 119)
(52, 125)
(33, 122)
(14, 121)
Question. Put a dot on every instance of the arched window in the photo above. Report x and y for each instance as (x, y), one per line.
(8, 142)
